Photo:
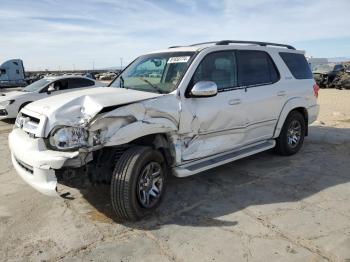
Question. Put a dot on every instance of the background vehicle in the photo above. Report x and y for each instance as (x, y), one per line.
(12, 102)
(12, 73)
(177, 111)
(325, 74)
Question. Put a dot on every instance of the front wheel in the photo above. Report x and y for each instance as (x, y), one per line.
(138, 183)
(292, 134)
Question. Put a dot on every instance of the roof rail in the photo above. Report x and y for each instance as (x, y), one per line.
(227, 42)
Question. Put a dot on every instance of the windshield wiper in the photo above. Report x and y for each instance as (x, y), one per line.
(160, 91)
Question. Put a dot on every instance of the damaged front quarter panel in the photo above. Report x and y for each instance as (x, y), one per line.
(133, 121)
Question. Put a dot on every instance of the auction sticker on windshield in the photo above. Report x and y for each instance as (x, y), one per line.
(178, 59)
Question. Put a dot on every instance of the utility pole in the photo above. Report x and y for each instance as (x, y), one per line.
(121, 64)
(93, 65)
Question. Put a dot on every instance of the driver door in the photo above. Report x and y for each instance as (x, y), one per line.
(211, 125)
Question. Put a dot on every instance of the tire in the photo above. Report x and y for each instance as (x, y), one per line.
(129, 201)
(285, 143)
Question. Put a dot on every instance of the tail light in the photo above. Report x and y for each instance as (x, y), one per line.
(316, 89)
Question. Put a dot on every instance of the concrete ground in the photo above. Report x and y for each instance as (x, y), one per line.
(263, 208)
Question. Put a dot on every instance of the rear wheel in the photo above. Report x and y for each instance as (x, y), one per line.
(292, 134)
(138, 183)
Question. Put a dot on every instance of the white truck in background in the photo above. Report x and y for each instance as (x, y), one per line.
(12, 74)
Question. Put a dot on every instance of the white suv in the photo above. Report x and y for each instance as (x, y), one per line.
(177, 111)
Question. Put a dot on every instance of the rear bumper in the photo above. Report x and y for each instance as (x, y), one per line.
(34, 163)
(313, 112)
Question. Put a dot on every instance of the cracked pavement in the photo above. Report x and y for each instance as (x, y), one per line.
(262, 208)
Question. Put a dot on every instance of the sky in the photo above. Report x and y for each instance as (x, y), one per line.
(70, 34)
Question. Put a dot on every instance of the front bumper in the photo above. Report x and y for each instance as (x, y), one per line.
(36, 164)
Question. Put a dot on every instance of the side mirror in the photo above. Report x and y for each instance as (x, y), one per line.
(51, 89)
(204, 89)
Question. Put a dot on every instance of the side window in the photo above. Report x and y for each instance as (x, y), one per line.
(2, 71)
(256, 68)
(219, 67)
(79, 82)
(297, 65)
(61, 85)
(338, 67)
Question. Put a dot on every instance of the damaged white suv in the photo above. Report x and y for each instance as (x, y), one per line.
(178, 111)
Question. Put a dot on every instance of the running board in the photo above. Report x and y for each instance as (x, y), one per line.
(221, 159)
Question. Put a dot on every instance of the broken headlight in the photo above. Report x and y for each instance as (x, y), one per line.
(66, 138)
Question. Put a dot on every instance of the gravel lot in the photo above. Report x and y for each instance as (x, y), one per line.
(263, 208)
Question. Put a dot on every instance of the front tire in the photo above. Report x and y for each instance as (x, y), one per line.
(292, 134)
(138, 183)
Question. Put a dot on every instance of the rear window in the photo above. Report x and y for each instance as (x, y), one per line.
(255, 68)
(297, 65)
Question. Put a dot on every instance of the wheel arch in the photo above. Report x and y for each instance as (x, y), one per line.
(159, 141)
(295, 104)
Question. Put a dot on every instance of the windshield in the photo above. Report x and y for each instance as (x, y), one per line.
(37, 85)
(156, 73)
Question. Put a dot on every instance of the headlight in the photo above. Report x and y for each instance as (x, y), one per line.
(6, 103)
(69, 138)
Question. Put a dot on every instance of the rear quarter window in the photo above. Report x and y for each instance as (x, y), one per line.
(297, 65)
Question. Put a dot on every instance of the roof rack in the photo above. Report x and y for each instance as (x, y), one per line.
(227, 42)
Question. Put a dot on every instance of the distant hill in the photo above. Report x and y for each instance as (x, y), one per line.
(338, 59)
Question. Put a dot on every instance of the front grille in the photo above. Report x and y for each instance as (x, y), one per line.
(31, 119)
(28, 123)
(26, 167)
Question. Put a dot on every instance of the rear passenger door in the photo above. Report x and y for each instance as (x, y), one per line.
(263, 97)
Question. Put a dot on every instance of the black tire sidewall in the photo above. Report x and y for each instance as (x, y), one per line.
(141, 157)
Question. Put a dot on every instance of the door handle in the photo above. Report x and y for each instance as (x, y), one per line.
(234, 102)
(281, 93)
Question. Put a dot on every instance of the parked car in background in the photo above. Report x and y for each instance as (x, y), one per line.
(326, 73)
(12, 102)
(211, 104)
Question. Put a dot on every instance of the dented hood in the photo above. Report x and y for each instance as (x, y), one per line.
(69, 108)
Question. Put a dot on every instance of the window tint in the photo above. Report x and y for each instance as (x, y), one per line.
(338, 67)
(255, 68)
(297, 65)
(61, 85)
(80, 82)
(219, 67)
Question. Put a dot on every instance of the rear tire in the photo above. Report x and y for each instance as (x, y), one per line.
(292, 135)
(138, 183)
